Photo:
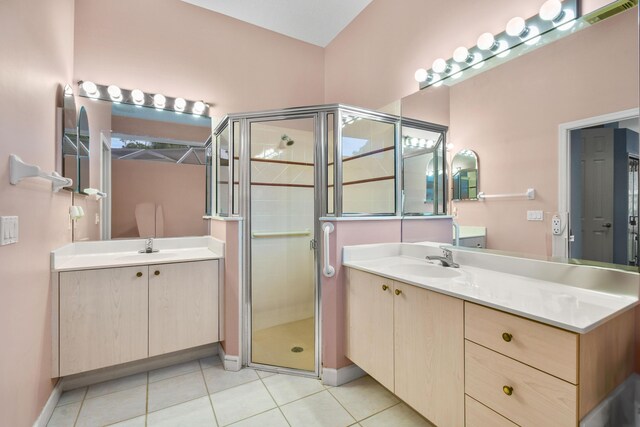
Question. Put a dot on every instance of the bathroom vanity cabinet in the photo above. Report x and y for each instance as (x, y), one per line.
(460, 363)
(110, 316)
(411, 340)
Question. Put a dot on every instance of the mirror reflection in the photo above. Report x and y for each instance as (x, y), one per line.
(152, 168)
(464, 175)
(423, 168)
(511, 116)
(83, 141)
(68, 151)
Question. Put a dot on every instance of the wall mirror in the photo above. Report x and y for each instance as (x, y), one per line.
(67, 153)
(152, 165)
(510, 116)
(464, 175)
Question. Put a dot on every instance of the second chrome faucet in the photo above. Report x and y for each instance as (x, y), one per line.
(446, 259)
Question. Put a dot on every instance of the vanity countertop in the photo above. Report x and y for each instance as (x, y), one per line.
(124, 253)
(575, 307)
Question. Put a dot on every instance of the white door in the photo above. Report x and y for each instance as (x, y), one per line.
(597, 210)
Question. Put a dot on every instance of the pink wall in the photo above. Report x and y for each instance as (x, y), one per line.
(510, 117)
(183, 50)
(346, 233)
(227, 231)
(37, 56)
(178, 188)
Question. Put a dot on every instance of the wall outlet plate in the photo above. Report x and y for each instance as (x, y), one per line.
(535, 216)
(8, 230)
(556, 225)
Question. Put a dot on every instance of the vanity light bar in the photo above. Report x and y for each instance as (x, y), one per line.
(554, 14)
(137, 97)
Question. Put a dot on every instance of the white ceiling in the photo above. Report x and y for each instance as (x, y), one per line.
(312, 21)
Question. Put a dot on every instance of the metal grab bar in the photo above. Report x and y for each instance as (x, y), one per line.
(327, 269)
(260, 234)
(529, 194)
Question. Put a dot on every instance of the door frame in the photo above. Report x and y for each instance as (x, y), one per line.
(244, 189)
(560, 243)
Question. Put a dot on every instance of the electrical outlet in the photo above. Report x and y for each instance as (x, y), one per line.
(8, 230)
(556, 225)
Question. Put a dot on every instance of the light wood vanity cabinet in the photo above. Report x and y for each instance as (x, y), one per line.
(398, 333)
(459, 363)
(103, 318)
(116, 315)
(183, 306)
(535, 374)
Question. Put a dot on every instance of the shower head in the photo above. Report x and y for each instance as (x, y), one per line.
(285, 142)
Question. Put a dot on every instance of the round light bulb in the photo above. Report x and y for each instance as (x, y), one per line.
(460, 54)
(533, 36)
(90, 88)
(179, 104)
(421, 75)
(439, 65)
(198, 107)
(138, 96)
(551, 10)
(68, 90)
(516, 26)
(159, 100)
(114, 92)
(486, 41)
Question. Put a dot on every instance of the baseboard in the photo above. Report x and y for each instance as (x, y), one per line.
(51, 404)
(337, 377)
(231, 363)
(157, 362)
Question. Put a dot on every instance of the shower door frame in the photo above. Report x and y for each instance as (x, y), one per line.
(244, 190)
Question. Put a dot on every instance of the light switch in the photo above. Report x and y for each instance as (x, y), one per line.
(8, 230)
(535, 216)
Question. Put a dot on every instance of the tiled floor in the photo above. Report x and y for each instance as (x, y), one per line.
(202, 393)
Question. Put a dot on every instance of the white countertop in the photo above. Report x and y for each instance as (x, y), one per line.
(566, 306)
(124, 253)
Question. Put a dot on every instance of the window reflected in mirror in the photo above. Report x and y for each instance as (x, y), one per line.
(464, 175)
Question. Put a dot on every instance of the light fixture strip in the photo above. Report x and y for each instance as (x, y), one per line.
(455, 69)
(151, 100)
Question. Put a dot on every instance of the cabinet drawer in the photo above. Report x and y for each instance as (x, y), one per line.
(478, 415)
(549, 349)
(537, 399)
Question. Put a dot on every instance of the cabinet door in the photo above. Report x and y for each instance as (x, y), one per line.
(429, 353)
(103, 318)
(183, 306)
(369, 328)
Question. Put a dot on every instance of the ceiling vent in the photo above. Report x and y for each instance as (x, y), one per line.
(610, 10)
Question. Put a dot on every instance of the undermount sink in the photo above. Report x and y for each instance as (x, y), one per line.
(143, 256)
(426, 270)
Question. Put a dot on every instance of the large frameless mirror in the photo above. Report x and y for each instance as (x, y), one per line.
(464, 175)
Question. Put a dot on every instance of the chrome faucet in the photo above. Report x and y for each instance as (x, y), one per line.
(148, 247)
(446, 259)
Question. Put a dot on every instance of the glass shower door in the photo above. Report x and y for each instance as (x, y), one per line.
(282, 246)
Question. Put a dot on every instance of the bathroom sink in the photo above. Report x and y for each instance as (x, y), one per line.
(425, 270)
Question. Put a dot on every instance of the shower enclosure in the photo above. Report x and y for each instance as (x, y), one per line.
(281, 173)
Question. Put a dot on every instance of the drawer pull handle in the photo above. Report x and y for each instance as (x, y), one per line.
(507, 336)
(398, 291)
(507, 390)
(139, 274)
(385, 287)
(157, 272)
